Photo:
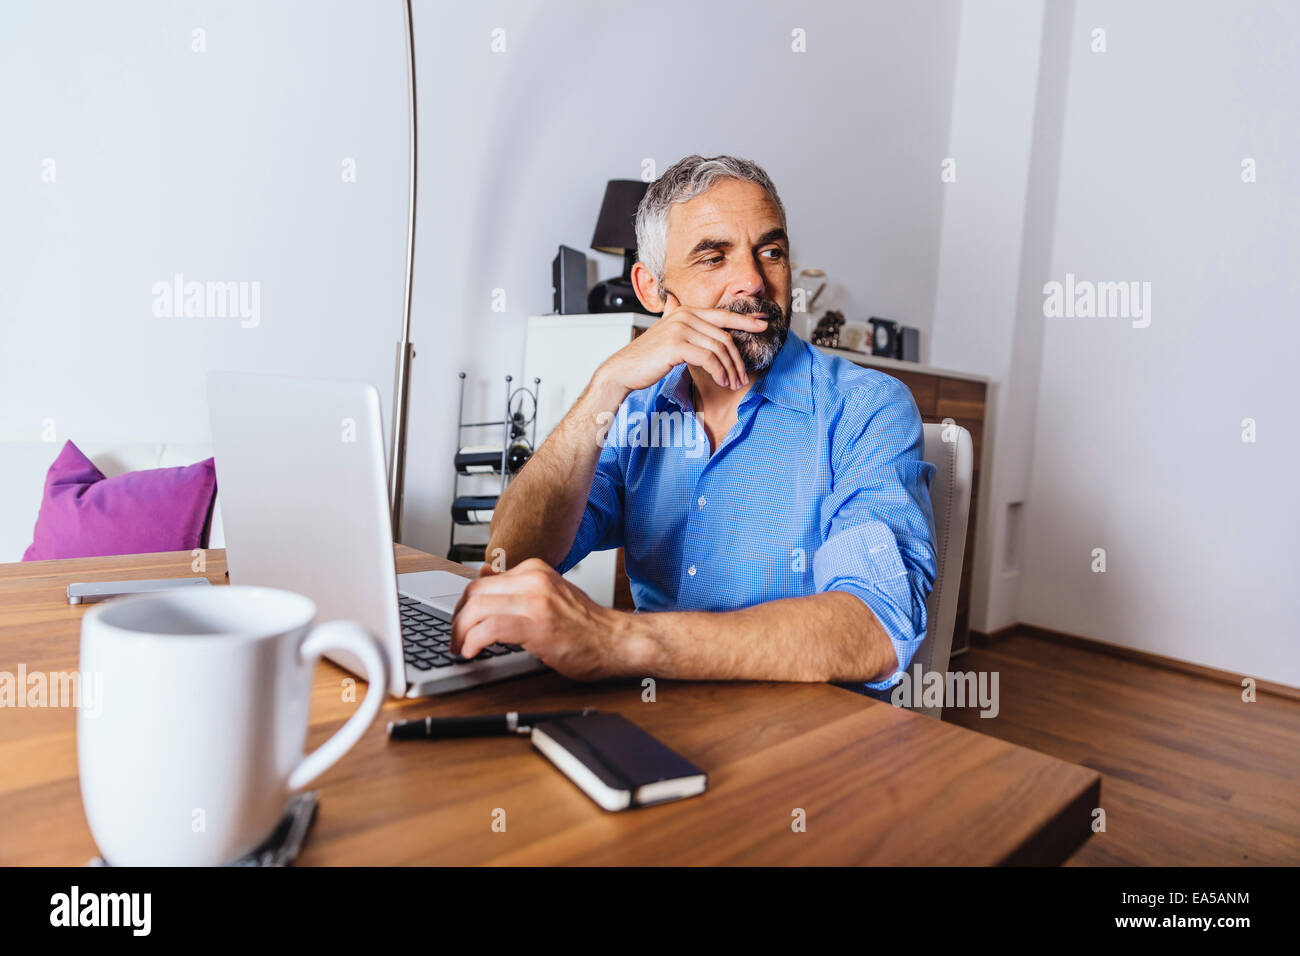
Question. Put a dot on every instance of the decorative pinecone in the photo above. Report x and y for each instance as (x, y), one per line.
(827, 332)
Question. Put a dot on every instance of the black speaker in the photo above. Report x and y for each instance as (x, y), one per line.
(615, 295)
(569, 281)
(909, 344)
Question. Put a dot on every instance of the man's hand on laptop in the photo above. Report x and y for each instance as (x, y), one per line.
(685, 334)
(534, 607)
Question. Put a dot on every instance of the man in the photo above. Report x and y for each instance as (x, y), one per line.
(798, 548)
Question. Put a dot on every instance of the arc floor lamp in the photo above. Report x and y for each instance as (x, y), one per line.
(405, 349)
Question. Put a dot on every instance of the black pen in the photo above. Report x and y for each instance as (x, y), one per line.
(491, 725)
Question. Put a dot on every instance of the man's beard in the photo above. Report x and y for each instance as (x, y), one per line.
(759, 349)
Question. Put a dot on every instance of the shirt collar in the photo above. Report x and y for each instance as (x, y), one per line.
(787, 381)
(676, 388)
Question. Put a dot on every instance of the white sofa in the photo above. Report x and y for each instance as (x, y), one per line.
(23, 466)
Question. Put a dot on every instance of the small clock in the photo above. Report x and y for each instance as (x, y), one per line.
(884, 337)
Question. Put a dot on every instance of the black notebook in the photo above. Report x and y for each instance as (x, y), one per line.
(615, 762)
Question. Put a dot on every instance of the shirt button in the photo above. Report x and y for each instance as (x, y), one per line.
(691, 570)
(702, 502)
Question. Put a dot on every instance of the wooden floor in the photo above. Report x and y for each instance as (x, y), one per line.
(1191, 773)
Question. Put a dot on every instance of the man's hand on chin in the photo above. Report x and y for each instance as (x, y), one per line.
(532, 606)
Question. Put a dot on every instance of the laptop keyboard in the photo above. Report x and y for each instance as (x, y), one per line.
(426, 638)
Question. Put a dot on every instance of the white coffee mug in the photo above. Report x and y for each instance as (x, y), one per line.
(199, 742)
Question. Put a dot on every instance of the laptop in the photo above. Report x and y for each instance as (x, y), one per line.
(304, 500)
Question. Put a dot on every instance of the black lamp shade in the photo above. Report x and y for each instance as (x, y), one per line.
(616, 227)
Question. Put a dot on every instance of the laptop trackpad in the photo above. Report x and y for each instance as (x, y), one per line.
(438, 589)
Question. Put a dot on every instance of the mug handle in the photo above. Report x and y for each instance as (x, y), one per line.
(342, 636)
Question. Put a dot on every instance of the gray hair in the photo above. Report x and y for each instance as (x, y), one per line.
(681, 182)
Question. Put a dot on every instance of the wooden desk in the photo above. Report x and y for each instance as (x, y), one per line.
(878, 785)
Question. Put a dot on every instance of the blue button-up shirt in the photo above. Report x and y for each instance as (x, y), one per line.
(819, 486)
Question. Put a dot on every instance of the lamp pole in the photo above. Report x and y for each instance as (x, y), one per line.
(405, 350)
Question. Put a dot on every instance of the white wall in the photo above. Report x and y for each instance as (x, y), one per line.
(227, 165)
(1138, 443)
(992, 142)
(224, 165)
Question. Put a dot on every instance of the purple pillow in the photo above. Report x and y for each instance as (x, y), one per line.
(83, 514)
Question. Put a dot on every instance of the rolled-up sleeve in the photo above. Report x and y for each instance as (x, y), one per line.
(877, 523)
(602, 521)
